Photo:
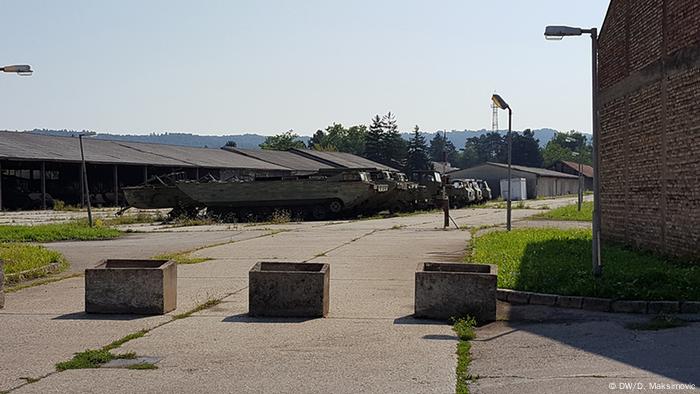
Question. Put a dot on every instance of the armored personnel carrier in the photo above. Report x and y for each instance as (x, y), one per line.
(158, 192)
(324, 194)
(485, 189)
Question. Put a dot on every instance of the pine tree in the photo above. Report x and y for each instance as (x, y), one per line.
(374, 142)
(440, 145)
(394, 146)
(417, 157)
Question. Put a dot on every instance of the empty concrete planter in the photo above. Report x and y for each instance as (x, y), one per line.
(288, 289)
(446, 290)
(146, 287)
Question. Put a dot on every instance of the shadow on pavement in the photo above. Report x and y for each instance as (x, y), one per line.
(99, 316)
(245, 318)
(440, 337)
(409, 319)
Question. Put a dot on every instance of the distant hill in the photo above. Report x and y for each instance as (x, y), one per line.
(252, 141)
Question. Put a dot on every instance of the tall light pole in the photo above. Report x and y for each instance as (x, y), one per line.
(24, 70)
(557, 33)
(84, 179)
(498, 102)
(580, 175)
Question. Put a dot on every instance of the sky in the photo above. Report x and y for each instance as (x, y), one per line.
(268, 66)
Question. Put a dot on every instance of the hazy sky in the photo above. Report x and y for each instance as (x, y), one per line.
(234, 66)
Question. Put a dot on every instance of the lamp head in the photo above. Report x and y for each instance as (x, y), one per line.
(19, 69)
(559, 32)
(499, 102)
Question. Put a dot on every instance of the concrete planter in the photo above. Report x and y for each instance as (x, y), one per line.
(146, 287)
(2, 284)
(446, 290)
(288, 289)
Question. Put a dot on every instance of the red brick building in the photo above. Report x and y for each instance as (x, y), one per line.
(649, 64)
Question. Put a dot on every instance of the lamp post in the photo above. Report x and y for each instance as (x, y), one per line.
(84, 179)
(580, 175)
(557, 33)
(24, 70)
(498, 102)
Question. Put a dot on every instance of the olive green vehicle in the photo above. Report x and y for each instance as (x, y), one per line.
(401, 194)
(429, 190)
(461, 194)
(485, 189)
(328, 193)
(157, 193)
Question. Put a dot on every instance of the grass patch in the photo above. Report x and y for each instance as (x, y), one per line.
(143, 366)
(208, 304)
(464, 328)
(659, 322)
(569, 212)
(124, 340)
(181, 258)
(92, 359)
(76, 230)
(559, 261)
(29, 259)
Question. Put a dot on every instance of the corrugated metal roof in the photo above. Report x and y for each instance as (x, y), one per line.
(342, 159)
(283, 158)
(27, 146)
(534, 170)
(586, 170)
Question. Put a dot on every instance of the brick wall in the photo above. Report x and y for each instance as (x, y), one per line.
(650, 125)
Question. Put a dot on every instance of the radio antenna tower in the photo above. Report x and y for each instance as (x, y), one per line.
(494, 117)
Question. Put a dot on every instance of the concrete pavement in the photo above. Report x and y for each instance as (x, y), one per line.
(369, 342)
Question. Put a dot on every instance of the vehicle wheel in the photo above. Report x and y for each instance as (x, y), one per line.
(335, 206)
(319, 212)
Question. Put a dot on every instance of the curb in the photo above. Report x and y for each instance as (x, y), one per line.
(597, 304)
(17, 277)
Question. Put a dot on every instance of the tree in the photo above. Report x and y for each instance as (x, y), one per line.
(231, 144)
(526, 149)
(563, 146)
(284, 141)
(374, 141)
(355, 140)
(316, 141)
(394, 146)
(417, 157)
(440, 145)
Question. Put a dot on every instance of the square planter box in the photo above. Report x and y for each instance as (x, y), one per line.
(446, 290)
(288, 289)
(144, 287)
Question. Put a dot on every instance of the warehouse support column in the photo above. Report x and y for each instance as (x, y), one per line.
(196, 173)
(43, 185)
(82, 186)
(116, 186)
(145, 174)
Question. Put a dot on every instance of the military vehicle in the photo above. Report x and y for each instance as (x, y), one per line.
(430, 190)
(461, 194)
(477, 190)
(160, 192)
(327, 193)
(485, 189)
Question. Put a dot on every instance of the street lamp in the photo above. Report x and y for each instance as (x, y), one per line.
(24, 70)
(557, 33)
(498, 102)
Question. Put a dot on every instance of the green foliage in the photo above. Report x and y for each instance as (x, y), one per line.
(563, 146)
(284, 141)
(383, 142)
(22, 257)
(181, 258)
(143, 366)
(338, 138)
(232, 144)
(417, 157)
(570, 212)
(123, 340)
(440, 147)
(526, 149)
(493, 147)
(76, 230)
(559, 261)
(464, 327)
